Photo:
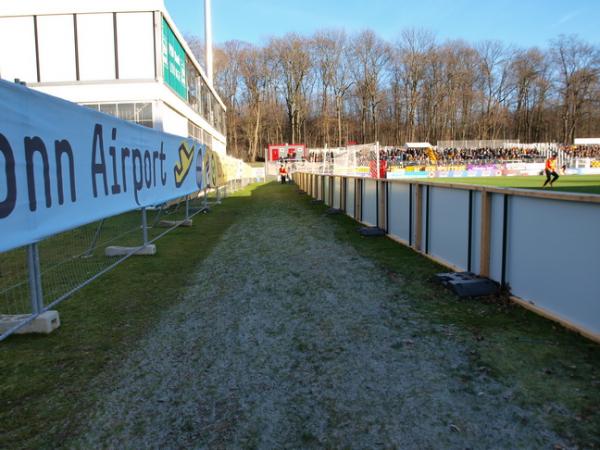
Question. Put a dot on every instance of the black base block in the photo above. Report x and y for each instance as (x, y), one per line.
(203, 210)
(316, 202)
(467, 284)
(371, 231)
(334, 211)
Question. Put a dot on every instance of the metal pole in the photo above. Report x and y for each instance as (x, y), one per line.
(145, 226)
(94, 240)
(377, 150)
(187, 207)
(35, 279)
(205, 201)
(208, 41)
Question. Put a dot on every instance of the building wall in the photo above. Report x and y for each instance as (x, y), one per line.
(103, 56)
(78, 47)
(172, 121)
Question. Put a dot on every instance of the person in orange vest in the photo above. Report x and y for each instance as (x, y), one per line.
(283, 174)
(550, 170)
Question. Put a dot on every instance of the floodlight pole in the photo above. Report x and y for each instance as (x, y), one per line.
(208, 40)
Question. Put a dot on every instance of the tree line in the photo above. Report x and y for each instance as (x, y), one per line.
(332, 89)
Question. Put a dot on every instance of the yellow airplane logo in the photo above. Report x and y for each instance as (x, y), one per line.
(182, 167)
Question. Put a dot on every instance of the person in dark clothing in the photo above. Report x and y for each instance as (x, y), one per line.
(283, 174)
(550, 170)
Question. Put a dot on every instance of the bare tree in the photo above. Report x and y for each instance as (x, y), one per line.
(371, 56)
(227, 80)
(331, 60)
(294, 63)
(494, 70)
(410, 57)
(196, 45)
(529, 77)
(255, 76)
(289, 90)
(577, 72)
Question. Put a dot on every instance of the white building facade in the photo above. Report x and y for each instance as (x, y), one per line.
(122, 57)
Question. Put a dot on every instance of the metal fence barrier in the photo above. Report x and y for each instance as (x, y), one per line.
(36, 278)
(541, 246)
(368, 159)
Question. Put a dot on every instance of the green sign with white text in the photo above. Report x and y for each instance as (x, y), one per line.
(173, 61)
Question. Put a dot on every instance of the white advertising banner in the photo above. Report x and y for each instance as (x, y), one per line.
(63, 165)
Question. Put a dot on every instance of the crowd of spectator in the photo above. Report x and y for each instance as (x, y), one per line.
(320, 156)
(461, 156)
(487, 155)
(404, 155)
(582, 151)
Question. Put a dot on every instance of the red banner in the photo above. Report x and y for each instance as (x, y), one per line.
(373, 169)
(292, 151)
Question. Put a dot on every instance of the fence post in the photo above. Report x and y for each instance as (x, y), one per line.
(387, 206)
(144, 226)
(187, 207)
(358, 199)
(377, 149)
(484, 246)
(330, 193)
(205, 200)
(418, 217)
(92, 246)
(35, 279)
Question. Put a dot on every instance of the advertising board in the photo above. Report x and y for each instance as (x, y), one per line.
(173, 58)
(63, 165)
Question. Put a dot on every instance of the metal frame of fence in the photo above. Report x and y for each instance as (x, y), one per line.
(348, 160)
(28, 281)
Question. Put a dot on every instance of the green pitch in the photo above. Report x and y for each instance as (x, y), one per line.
(582, 184)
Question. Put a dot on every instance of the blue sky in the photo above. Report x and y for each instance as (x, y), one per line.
(523, 23)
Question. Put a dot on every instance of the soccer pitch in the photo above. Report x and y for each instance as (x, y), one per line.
(581, 184)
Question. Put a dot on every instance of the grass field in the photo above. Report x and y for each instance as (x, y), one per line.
(581, 184)
(49, 384)
(45, 381)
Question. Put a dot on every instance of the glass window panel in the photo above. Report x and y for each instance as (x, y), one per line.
(109, 108)
(96, 45)
(56, 44)
(126, 111)
(135, 34)
(17, 49)
(144, 111)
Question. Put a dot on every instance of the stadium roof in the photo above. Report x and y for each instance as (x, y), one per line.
(418, 145)
(42, 7)
(587, 141)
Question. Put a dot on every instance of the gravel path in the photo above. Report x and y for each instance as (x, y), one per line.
(290, 339)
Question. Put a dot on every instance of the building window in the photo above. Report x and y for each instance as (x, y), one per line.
(182, 76)
(192, 78)
(195, 132)
(140, 113)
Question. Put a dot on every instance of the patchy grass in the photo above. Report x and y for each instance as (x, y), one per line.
(549, 366)
(44, 380)
(289, 336)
